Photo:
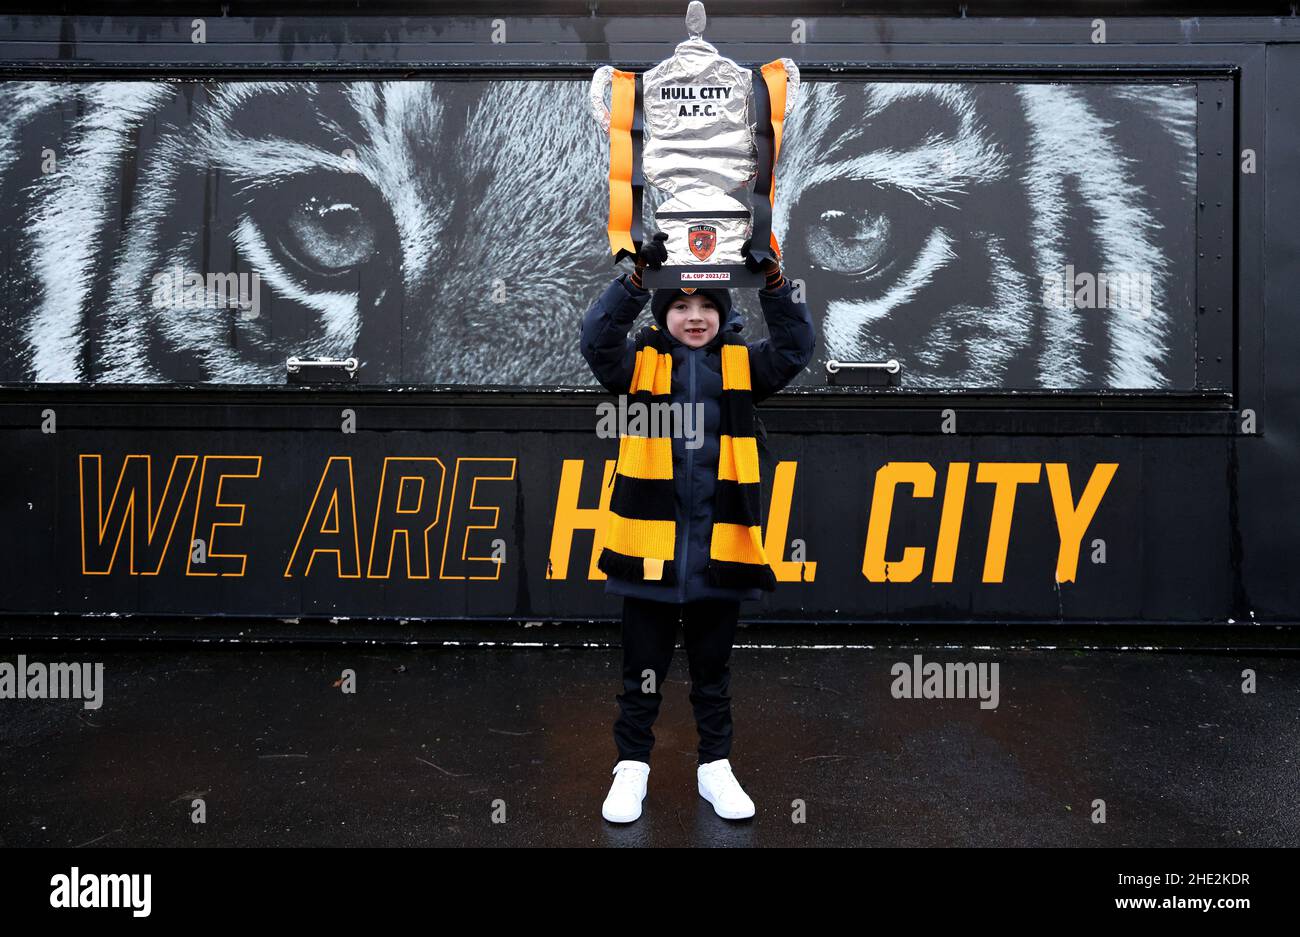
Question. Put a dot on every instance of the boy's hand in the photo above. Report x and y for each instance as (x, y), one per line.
(651, 255)
(770, 268)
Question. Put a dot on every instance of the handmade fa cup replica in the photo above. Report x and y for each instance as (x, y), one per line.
(704, 130)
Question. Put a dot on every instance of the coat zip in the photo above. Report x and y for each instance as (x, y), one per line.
(690, 491)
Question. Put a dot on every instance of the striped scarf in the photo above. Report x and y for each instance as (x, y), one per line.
(640, 532)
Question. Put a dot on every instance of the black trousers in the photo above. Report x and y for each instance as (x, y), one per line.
(649, 633)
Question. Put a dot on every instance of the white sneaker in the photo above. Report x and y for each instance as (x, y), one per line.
(719, 787)
(623, 802)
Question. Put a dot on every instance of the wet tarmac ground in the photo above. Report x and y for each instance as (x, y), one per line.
(437, 743)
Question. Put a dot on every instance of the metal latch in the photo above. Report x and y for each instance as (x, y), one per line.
(321, 370)
(864, 373)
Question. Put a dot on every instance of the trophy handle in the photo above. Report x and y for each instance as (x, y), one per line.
(791, 85)
(600, 83)
(775, 86)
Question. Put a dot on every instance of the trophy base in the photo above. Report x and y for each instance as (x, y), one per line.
(699, 276)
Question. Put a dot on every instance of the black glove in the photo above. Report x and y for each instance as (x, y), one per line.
(653, 254)
(771, 269)
(765, 266)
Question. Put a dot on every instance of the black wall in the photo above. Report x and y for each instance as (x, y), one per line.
(1199, 522)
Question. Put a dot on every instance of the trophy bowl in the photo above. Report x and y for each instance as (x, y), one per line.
(706, 132)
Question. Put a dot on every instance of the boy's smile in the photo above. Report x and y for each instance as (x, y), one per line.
(693, 320)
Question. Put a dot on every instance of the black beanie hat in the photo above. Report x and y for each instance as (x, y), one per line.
(660, 300)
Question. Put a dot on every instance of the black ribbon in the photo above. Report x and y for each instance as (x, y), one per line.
(760, 199)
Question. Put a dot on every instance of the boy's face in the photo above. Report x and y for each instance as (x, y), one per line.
(693, 320)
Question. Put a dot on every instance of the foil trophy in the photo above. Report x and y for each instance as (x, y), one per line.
(707, 132)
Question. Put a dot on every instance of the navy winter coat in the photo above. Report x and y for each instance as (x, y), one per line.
(697, 378)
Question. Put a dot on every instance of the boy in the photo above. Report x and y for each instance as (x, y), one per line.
(684, 541)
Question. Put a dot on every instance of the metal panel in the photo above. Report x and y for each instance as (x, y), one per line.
(1199, 521)
(1216, 174)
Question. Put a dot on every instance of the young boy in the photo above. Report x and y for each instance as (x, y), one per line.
(684, 540)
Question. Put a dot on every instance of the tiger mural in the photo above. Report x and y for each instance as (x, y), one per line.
(442, 233)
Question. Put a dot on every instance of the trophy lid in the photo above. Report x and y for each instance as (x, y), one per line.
(696, 19)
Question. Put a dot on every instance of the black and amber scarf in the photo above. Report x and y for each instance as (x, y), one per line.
(640, 532)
